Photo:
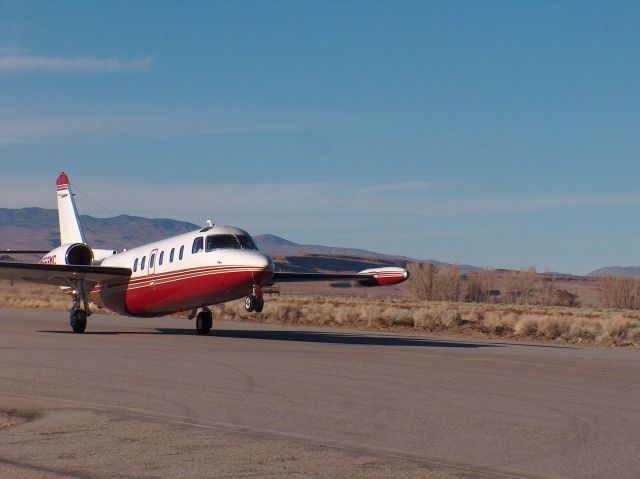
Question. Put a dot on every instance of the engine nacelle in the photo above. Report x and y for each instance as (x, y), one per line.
(72, 253)
(384, 276)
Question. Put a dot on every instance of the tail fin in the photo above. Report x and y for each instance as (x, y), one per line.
(70, 227)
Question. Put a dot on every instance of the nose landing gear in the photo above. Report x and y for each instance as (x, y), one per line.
(255, 302)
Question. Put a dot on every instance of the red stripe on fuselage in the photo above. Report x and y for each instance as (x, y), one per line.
(159, 294)
(146, 279)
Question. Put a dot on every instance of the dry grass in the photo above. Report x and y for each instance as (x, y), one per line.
(27, 295)
(606, 327)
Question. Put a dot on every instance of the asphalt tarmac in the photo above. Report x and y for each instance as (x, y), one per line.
(149, 398)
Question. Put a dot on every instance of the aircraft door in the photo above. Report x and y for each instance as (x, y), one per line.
(153, 258)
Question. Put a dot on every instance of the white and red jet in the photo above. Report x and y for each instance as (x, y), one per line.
(191, 271)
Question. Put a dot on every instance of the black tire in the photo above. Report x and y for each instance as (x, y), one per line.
(78, 321)
(204, 322)
(259, 304)
(250, 303)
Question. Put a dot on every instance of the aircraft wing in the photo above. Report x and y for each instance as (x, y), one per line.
(60, 274)
(24, 251)
(283, 277)
(368, 277)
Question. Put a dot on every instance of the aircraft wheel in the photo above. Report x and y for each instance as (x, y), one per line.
(250, 303)
(259, 304)
(204, 321)
(78, 320)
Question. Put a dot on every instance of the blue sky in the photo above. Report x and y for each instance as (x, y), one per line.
(499, 134)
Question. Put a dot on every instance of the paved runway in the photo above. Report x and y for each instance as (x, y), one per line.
(149, 398)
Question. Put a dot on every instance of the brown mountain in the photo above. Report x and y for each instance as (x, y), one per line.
(37, 228)
(625, 271)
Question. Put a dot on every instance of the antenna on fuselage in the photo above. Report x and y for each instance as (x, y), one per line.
(207, 226)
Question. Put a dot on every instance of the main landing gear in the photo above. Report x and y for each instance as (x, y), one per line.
(255, 302)
(78, 316)
(78, 320)
(204, 321)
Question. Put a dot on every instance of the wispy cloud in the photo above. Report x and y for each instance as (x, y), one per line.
(11, 50)
(330, 200)
(531, 203)
(391, 188)
(27, 63)
(37, 127)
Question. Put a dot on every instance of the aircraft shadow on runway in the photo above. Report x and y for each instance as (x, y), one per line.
(324, 337)
(305, 336)
(335, 338)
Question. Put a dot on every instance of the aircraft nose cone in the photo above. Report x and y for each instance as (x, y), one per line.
(261, 262)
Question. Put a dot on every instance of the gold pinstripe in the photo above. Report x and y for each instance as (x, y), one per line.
(148, 281)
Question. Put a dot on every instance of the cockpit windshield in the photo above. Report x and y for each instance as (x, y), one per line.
(246, 242)
(229, 242)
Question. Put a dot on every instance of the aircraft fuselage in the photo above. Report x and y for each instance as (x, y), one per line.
(208, 266)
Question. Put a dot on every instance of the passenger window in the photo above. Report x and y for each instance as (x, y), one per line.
(152, 260)
(142, 263)
(135, 265)
(197, 245)
(181, 255)
(173, 250)
(160, 258)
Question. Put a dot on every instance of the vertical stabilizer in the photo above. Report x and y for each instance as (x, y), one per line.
(70, 227)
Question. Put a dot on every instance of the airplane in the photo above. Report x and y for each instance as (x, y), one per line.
(188, 272)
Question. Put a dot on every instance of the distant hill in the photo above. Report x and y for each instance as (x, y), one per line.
(624, 271)
(274, 245)
(37, 228)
